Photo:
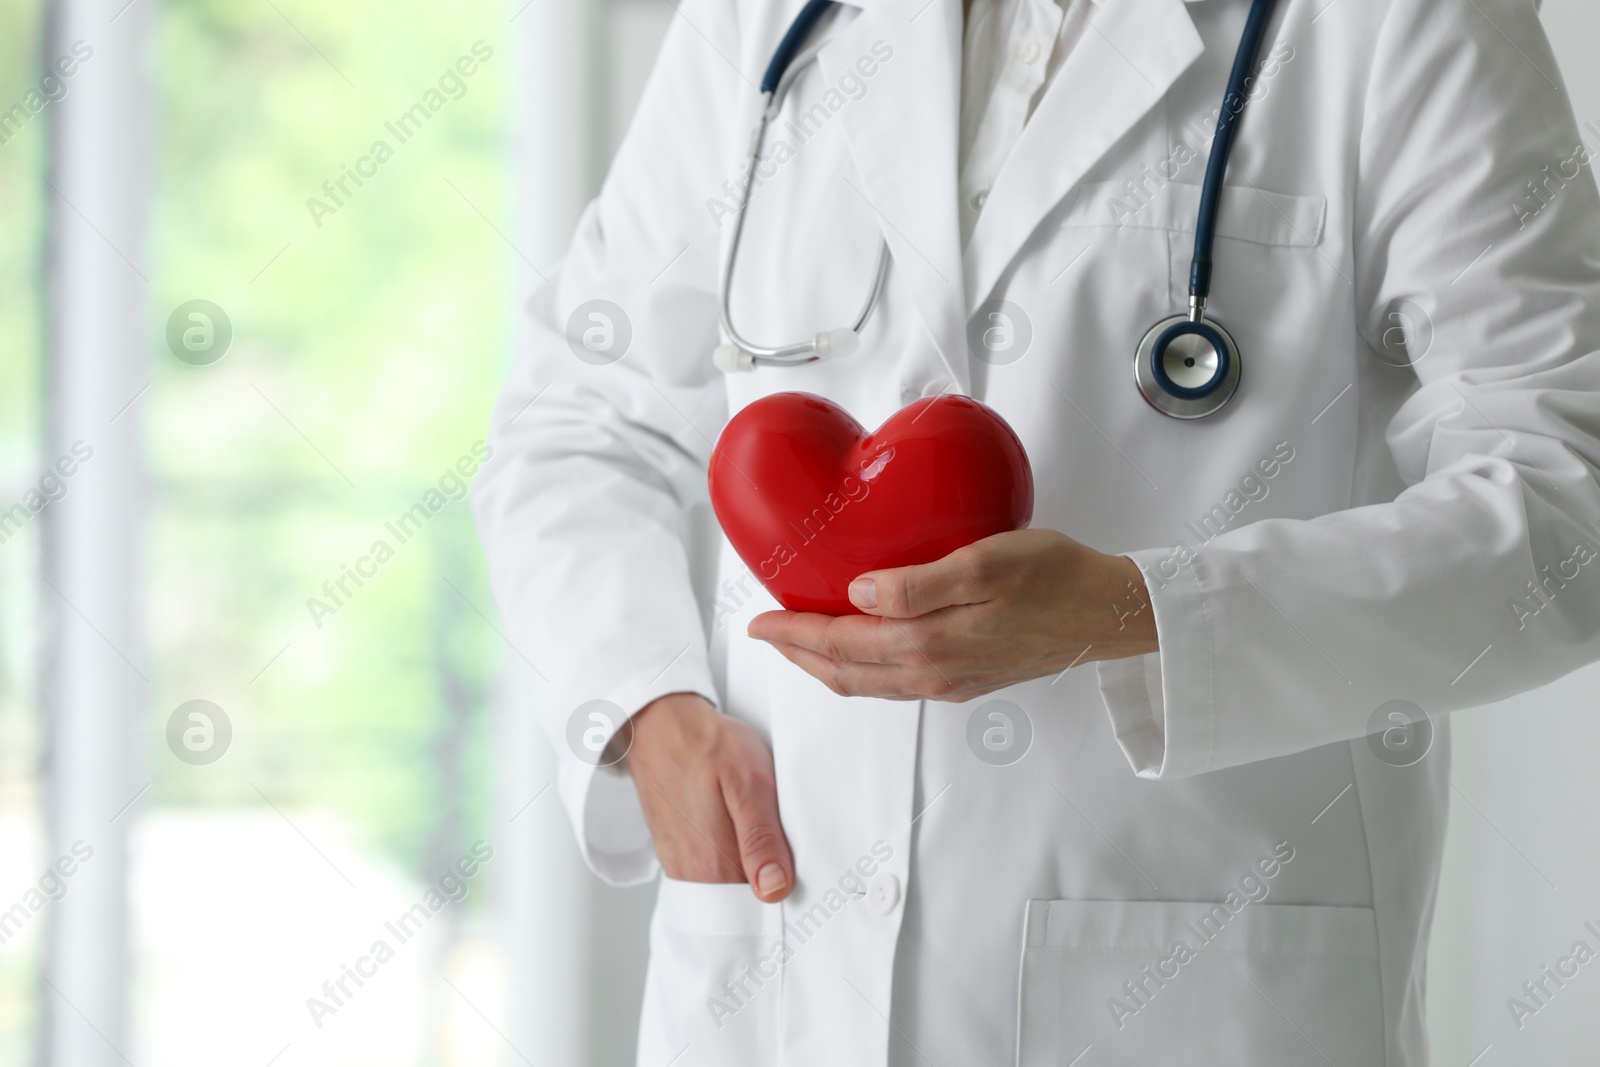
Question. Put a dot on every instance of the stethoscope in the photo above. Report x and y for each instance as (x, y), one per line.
(1186, 366)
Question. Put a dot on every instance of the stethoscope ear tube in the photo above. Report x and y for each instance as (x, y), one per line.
(1185, 366)
(792, 42)
(738, 353)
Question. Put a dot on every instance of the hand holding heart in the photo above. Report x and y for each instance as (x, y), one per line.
(1007, 609)
(810, 500)
(917, 526)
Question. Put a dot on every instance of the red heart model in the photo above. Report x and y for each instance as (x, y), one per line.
(810, 500)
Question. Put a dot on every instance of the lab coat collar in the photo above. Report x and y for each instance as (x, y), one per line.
(903, 135)
(1123, 66)
(902, 138)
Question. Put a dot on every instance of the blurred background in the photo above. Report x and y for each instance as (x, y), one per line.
(240, 347)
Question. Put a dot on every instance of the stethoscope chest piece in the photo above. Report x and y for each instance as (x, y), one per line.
(1187, 368)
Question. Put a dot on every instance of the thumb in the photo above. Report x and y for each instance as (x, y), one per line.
(752, 801)
(907, 592)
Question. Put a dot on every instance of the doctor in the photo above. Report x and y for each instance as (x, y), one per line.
(1164, 778)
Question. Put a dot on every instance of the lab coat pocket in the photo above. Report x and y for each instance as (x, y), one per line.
(1268, 985)
(1269, 244)
(1247, 214)
(711, 992)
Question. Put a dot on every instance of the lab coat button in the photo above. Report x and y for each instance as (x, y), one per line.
(1029, 52)
(884, 893)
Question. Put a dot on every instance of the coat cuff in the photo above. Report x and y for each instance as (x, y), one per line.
(602, 801)
(1161, 703)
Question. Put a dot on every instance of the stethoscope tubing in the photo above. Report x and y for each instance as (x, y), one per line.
(1233, 102)
(793, 40)
(1156, 352)
(790, 55)
(803, 351)
(1159, 389)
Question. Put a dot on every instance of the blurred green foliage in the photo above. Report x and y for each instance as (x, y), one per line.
(367, 347)
(21, 162)
(21, 323)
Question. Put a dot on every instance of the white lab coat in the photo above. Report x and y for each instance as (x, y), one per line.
(1420, 327)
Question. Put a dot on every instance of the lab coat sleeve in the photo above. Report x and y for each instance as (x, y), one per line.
(1481, 579)
(594, 462)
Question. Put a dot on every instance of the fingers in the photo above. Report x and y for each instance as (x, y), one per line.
(853, 639)
(693, 833)
(676, 763)
(907, 592)
(710, 797)
(751, 795)
(874, 679)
